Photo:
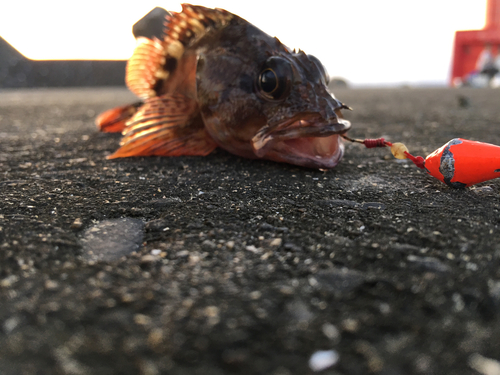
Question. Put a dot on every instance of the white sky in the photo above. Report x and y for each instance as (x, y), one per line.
(364, 41)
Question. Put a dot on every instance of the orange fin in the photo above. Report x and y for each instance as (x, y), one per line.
(144, 67)
(154, 61)
(113, 120)
(168, 125)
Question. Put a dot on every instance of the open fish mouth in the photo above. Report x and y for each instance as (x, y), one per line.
(308, 140)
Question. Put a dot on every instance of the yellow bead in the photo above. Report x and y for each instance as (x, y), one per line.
(398, 150)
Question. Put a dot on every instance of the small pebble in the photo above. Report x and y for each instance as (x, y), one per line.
(287, 290)
(213, 315)
(350, 325)
(51, 284)
(208, 245)
(211, 311)
(77, 224)
(256, 294)
(323, 359)
(276, 242)
(484, 365)
(10, 324)
(252, 249)
(155, 337)
(330, 331)
(142, 319)
(8, 281)
(148, 259)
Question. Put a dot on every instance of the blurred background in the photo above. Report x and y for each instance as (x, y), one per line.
(366, 42)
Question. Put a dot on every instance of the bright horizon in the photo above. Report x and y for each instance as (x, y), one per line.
(366, 42)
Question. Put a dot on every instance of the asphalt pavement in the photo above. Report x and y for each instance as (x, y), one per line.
(223, 265)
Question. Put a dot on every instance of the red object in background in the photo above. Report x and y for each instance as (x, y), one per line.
(470, 43)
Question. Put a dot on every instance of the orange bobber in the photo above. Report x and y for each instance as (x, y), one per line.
(461, 163)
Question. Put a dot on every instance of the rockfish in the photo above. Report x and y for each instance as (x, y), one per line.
(215, 80)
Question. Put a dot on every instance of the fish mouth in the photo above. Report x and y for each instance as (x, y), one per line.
(306, 140)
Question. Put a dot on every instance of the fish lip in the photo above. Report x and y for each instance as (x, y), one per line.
(302, 126)
(293, 155)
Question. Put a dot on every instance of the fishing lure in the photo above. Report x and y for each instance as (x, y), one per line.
(215, 80)
(459, 163)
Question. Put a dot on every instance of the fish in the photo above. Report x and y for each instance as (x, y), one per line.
(212, 79)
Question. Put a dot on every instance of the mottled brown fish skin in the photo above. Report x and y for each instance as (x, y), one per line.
(243, 91)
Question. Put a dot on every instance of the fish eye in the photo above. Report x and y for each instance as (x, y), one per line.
(320, 67)
(268, 81)
(274, 80)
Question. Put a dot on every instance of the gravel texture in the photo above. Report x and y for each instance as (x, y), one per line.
(223, 265)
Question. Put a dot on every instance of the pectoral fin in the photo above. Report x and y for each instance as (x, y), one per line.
(168, 125)
(145, 68)
(114, 120)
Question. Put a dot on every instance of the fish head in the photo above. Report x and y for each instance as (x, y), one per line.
(270, 102)
(304, 121)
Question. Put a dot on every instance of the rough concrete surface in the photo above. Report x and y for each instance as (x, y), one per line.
(234, 266)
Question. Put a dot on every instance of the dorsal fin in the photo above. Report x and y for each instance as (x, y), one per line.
(154, 60)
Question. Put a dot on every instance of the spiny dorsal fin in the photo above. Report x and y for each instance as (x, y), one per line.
(155, 60)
